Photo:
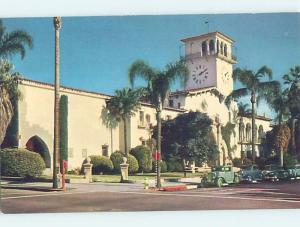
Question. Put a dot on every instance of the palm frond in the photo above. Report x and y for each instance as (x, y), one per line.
(264, 71)
(236, 94)
(141, 69)
(177, 70)
(10, 49)
(245, 76)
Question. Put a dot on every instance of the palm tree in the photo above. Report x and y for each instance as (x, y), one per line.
(110, 122)
(293, 80)
(256, 88)
(8, 92)
(123, 106)
(278, 101)
(158, 87)
(14, 42)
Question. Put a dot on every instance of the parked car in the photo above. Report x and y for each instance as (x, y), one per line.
(251, 173)
(220, 176)
(294, 171)
(275, 173)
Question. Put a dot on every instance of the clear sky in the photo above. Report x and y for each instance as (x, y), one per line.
(97, 51)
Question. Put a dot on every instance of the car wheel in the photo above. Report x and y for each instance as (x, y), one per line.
(219, 182)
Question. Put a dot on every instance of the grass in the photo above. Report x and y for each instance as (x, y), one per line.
(115, 178)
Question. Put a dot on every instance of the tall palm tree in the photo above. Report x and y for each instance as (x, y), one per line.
(14, 42)
(110, 121)
(254, 87)
(123, 106)
(8, 92)
(293, 80)
(159, 84)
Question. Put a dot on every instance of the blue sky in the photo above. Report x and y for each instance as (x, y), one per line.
(97, 51)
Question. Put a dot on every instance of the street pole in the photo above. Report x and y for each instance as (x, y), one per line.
(56, 164)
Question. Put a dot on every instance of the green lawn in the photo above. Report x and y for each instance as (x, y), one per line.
(137, 177)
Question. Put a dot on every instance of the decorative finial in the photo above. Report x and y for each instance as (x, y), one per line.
(57, 23)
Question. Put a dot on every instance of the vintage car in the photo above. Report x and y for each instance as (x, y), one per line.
(294, 171)
(275, 173)
(220, 176)
(250, 173)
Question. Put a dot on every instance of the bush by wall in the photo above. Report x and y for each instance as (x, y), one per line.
(21, 163)
(174, 166)
(163, 166)
(133, 164)
(144, 158)
(63, 121)
(117, 159)
(101, 164)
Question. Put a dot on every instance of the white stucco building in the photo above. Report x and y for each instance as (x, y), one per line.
(210, 61)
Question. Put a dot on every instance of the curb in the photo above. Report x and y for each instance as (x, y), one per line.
(178, 188)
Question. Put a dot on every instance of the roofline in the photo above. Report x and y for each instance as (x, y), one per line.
(207, 35)
(257, 117)
(192, 91)
(63, 87)
(70, 89)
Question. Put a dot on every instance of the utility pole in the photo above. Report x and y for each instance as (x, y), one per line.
(56, 164)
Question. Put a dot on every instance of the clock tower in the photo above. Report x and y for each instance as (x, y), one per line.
(210, 61)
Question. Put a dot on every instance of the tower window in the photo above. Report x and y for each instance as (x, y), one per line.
(218, 46)
(204, 48)
(171, 103)
(225, 50)
(178, 105)
(221, 47)
(211, 46)
(141, 117)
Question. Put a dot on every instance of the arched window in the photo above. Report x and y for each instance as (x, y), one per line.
(36, 144)
(248, 132)
(242, 131)
(225, 50)
(260, 133)
(212, 46)
(221, 47)
(218, 46)
(204, 48)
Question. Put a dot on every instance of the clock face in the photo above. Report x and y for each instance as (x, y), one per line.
(200, 74)
(225, 76)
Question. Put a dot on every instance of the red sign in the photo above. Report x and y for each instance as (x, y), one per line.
(156, 155)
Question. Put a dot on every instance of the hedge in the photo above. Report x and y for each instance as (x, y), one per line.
(101, 164)
(21, 163)
(144, 157)
(117, 159)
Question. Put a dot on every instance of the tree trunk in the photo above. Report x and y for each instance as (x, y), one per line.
(57, 26)
(158, 118)
(293, 129)
(111, 141)
(125, 137)
(6, 112)
(253, 101)
(184, 165)
(281, 157)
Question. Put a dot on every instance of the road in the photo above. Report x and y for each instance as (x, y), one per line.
(132, 197)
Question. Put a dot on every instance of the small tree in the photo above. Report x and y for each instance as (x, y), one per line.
(63, 128)
(282, 138)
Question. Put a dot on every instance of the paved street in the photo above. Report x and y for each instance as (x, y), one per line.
(132, 197)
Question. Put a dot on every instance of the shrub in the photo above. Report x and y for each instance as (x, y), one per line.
(247, 161)
(237, 162)
(101, 164)
(289, 160)
(21, 163)
(174, 166)
(163, 166)
(261, 162)
(117, 159)
(144, 158)
(133, 164)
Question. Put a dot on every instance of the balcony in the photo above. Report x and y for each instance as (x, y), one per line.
(231, 59)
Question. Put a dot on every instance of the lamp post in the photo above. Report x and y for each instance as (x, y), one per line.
(57, 27)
